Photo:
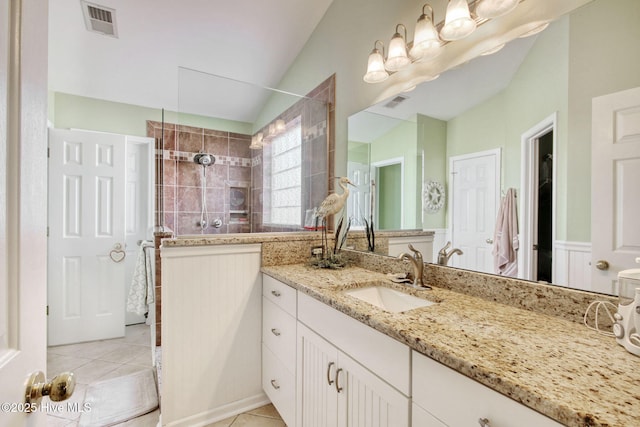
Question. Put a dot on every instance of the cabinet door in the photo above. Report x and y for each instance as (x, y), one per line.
(317, 400)
(364, 400)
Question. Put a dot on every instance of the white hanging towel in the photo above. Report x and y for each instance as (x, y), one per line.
(141, 293)
(505, 238)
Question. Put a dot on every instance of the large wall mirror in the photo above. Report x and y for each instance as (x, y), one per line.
(519, 119)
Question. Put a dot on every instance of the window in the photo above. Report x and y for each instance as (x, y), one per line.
(283, 177)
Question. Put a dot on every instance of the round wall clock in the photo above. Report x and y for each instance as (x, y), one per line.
(433, 196)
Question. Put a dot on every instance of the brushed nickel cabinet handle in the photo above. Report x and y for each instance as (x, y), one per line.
(275, 332)
(275, 385)
(275, 293)
(484, 422)
(338, 388)
(329, 380)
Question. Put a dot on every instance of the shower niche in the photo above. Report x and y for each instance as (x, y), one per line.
(238, 205)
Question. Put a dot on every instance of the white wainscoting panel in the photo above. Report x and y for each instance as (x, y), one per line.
(211, 333)
(573, 264)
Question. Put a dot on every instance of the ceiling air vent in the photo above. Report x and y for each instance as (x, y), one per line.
(395, 101)
(99, 19)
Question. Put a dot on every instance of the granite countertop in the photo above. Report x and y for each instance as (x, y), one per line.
(245, 238)
(557, 367)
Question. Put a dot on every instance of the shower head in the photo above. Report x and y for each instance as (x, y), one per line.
(204, 159)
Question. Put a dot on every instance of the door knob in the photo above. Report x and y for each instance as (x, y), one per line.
(602, 265)
(58, 389)
(489, 241)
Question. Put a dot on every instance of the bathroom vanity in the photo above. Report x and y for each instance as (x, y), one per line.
(246, 321)
(505, 365)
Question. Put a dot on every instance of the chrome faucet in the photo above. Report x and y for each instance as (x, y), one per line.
(443, 255)
(418, 266)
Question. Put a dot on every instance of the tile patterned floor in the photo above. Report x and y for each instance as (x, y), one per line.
(100, 360)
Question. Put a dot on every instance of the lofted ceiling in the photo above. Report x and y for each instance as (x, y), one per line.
(162, 45)
(251, 41)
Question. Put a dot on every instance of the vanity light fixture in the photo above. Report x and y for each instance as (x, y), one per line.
(426, 42)
(398, 58)
(488, 9)
(458, 23)
(375, 67)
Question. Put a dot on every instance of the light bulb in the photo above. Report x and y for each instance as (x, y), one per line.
(457, 22)
(426, 43)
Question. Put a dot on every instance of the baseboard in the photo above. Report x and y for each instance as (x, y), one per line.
(223, 412)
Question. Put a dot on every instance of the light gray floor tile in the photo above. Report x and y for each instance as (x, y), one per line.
(247, 420)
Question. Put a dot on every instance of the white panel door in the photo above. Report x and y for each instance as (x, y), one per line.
(473, 203)
(317, 404)
(23, 256)
(615, 186)
(359, 202)
(86, 226)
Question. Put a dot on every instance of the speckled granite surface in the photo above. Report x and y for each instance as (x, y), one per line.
(553, 365)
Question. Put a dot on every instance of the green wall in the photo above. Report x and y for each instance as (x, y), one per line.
(71, 111)
(389, 181)
(432, 141)
(402, 142)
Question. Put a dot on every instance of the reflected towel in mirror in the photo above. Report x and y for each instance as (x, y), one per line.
(505, 239)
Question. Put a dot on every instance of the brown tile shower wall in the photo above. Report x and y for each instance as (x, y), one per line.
(181, 181)
(318, 153)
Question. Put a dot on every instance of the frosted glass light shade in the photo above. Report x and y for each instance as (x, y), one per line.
(375, 68)
(426, 43)
(457, 22)
(488, 9)
(397, 58)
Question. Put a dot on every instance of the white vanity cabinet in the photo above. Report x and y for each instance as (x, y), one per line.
(279, 346)
(348, 374)
(444, 397)
(335, 390)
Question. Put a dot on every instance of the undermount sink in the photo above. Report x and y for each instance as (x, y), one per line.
(388, 299)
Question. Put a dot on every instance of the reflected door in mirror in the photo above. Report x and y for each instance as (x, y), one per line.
(475, 186)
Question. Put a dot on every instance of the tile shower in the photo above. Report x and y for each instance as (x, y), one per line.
(235, 191)
(235, 188)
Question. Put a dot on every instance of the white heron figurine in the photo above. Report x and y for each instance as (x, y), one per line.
(333, 204)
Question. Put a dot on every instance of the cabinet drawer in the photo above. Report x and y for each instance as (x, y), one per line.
(280, 294)
(441, 391)
(279, 332)
(279, 384)
(388, 358)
